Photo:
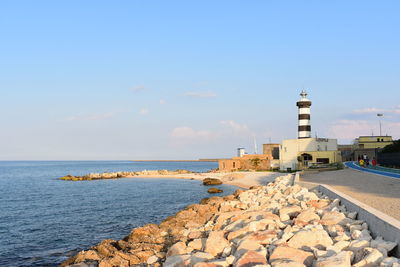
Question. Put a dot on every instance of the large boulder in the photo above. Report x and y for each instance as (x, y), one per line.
(178, 248)
(333, 217)
(87, 255)
(150, 233)
(342, 259)
(216, 243)
(177, 261)
(212, 181)
(307, 239)
(251, 258)
(261, 237)
(306, 216)
(372, 257)
(291, 254)
(286, 263)
(289, 212)
(214, 190)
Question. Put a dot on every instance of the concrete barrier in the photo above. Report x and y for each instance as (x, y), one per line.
(379, 223)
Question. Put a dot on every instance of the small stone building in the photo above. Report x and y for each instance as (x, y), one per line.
(246, 162)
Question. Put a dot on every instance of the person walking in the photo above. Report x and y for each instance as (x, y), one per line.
(361, 163)
(373, 162)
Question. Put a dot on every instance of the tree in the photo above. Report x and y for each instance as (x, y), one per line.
(395, 147)
(255, 162)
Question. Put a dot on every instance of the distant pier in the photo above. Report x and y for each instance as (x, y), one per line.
(176, 160)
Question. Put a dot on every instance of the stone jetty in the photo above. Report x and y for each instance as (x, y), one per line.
(115, 175)
(277, 225)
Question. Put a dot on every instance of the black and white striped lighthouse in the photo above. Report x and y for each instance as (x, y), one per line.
(304, 116)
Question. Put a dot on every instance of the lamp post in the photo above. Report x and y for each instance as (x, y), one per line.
(380, 124)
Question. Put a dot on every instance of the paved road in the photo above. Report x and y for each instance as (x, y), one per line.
(380, 192)
(353, 165)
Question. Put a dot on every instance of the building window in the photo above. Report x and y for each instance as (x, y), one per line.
(323, 160)
(275, 153)
(234, 164)
(306, 157)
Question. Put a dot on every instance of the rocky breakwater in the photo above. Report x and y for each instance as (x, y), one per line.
(114, 175)
(278, 225)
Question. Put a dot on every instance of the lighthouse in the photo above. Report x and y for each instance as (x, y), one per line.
(304, 130)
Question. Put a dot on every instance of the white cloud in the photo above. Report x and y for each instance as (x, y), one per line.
(369, 110)
(90, 117)
(162, 101)
(351, 129)
(236, 127)
(186, 134)
(143, 111)
(201, 94)
(373, 110)
(138, 88)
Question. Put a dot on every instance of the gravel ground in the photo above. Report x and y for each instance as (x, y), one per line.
(377, 191)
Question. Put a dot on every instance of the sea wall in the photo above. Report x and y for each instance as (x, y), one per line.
(278, 225)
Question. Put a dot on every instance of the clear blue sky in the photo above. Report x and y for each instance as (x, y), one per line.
(191, 79)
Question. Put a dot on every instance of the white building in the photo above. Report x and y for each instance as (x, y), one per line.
(296, 154)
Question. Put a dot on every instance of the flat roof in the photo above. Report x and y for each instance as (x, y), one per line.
(375, 136)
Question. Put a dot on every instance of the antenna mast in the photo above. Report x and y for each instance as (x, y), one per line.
(255, 145)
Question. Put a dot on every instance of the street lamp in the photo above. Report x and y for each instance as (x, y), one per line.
(380, 124)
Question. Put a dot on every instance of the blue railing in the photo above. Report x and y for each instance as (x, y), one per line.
(389, 172)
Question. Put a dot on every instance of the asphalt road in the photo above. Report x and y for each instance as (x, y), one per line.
(374, 189)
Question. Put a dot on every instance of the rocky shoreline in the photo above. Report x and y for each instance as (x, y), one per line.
(278, 225)
(115, 175)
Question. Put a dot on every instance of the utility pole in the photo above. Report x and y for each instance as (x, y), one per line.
(380, 124)
(255, 145)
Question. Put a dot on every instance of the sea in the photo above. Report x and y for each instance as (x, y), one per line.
(44, 221)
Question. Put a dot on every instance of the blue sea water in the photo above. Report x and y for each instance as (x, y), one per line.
(44, 220)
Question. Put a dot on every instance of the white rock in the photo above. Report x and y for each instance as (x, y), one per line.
(317, 238)
(342, 237)
(197, 244)
(216, 243)
(373, 257)
(176, 261)
(388, 262)
(380, 243)
(153, 259)
(230, 259)
(323, 253)
(355, 227)
(352, 215)
(200, 257)
(342, 259)
(227, 251)
(178, 248)
(339, 246)
(357, 245)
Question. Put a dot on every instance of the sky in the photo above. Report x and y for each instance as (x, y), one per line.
(122, 80)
